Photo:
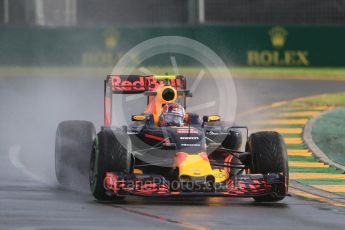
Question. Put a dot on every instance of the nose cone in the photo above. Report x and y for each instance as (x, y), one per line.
(195, 165)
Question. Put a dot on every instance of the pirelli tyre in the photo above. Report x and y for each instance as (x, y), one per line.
(269, 155)
(111, 153)
(73, 145)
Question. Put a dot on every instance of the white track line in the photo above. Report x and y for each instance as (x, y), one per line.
(14, 156)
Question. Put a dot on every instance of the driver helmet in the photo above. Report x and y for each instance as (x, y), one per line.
(172, 114)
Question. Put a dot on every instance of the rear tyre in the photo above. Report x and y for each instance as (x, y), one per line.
(73, 145)
(269, 155)
(111, 153)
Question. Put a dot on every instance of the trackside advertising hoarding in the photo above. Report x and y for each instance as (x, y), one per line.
(274, 45)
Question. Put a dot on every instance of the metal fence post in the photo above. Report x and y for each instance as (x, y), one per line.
(6, 11)
(201, 11)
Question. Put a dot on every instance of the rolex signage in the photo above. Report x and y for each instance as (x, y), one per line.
(277, 54)
(105, 55)
(237, 45)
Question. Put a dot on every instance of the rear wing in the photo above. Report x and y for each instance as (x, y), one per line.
(136, 84)
(133, 84)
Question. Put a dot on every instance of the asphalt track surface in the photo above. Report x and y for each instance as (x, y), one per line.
(30, 109)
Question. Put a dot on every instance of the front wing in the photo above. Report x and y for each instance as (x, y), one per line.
(249, 185)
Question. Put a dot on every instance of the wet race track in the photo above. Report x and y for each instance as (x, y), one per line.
(30, 109)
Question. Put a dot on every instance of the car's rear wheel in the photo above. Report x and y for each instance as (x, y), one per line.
(73, 145)
(109, 154)
(269, 155)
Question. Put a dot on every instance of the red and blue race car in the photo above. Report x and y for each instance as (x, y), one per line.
(167, 151)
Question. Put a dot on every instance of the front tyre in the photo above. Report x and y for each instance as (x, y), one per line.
(269, 155)
(108, 155)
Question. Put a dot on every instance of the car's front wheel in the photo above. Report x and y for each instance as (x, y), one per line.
(109, 155)
(269, 155)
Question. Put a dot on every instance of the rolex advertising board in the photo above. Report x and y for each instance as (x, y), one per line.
(274, 45)
(277, 55)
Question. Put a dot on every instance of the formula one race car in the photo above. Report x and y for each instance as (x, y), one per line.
(166, 151)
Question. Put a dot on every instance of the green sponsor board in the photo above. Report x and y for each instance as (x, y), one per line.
(236, 45)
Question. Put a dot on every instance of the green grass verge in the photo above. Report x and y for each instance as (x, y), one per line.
(302, 158)
(268, 72)
(322, 100)
(296, 146)
(322, 181)
(328, 133)
(261, 72)
(281, 71)
(314, 170)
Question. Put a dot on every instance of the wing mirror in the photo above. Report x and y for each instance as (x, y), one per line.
(138, 117)
(211, 118)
